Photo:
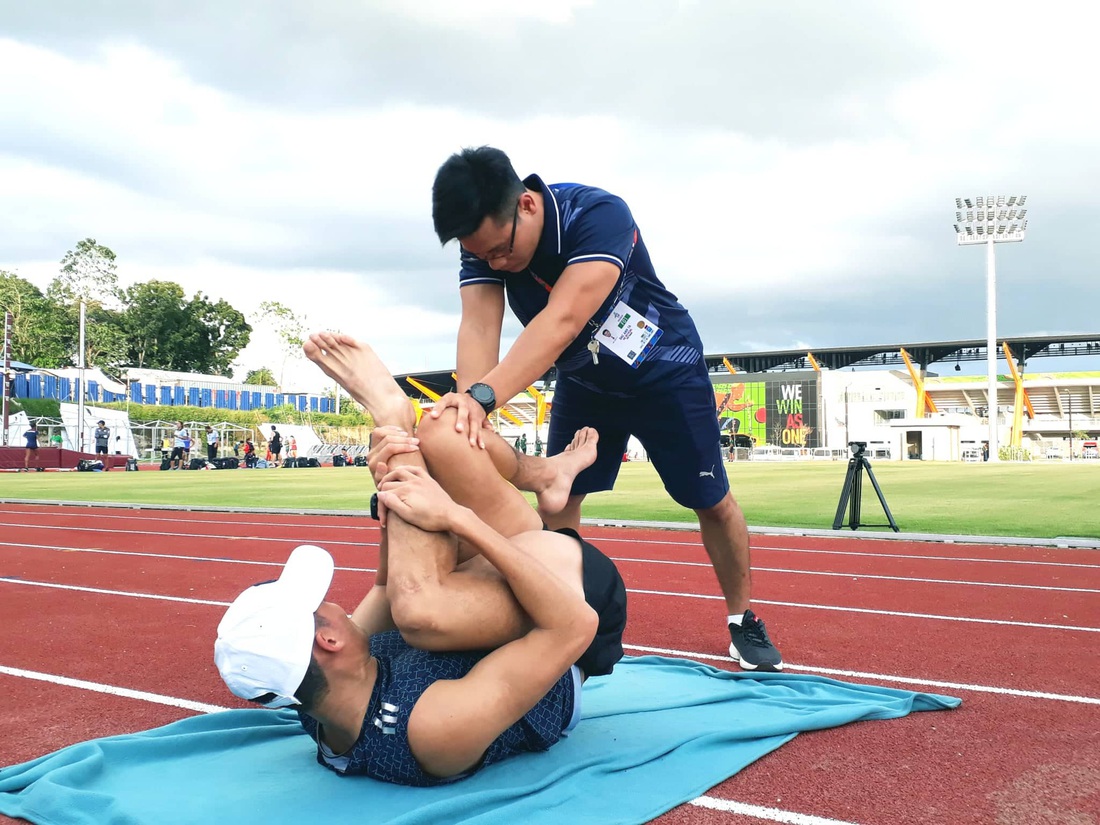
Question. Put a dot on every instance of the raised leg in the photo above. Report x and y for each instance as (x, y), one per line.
(436, 602)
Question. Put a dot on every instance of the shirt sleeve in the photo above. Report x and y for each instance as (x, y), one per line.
(473, 270)
(604, 231)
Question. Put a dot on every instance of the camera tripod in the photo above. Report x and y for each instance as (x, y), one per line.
(853, 491)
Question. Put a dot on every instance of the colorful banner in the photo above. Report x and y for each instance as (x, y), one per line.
(777, 411)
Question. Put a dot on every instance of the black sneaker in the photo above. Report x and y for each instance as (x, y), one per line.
(751, 647)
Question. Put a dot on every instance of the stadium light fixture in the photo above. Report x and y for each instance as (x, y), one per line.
(991, 225)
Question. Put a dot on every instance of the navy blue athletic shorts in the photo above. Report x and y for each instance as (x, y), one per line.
(677, 425)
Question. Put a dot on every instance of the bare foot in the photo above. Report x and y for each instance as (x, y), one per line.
(356, 368)
(580, 453)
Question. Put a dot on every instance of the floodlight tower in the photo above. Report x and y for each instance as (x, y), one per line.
(991, 220)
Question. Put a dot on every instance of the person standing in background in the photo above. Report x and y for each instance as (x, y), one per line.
(31, 436)
(180, 440)
(275, 444)
(102, 438)
(212, 442)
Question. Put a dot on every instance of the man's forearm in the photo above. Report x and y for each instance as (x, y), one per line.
(478, 354)
(532, 355)
(383, 559)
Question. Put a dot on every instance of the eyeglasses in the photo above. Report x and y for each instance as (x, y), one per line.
(500, 252)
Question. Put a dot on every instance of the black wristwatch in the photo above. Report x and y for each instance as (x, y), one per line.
(374, 506)
(483, 394)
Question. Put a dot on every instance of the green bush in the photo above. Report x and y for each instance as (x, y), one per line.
(37, 407)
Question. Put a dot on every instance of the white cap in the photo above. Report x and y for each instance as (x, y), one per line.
(265, 638)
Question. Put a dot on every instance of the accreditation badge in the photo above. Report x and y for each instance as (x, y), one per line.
(628, 334)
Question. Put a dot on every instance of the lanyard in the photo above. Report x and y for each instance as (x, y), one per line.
(540, 281)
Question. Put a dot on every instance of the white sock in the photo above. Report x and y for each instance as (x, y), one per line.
(736, 620)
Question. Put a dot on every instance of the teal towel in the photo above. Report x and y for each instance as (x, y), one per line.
(654, 734)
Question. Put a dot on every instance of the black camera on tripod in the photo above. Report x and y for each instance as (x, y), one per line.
(852, 494)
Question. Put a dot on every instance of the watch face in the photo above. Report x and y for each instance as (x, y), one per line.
(483, 394)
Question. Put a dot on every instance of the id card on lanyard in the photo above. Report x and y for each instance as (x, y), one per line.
(627, 334)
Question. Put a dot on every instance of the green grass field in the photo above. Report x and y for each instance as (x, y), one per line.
(1033, 500)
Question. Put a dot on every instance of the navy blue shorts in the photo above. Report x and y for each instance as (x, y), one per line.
(676, 423)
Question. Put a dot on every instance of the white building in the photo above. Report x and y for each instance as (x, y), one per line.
(880, 407)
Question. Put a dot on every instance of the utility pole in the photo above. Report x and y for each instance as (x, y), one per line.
(1070, 395)
(8, 321)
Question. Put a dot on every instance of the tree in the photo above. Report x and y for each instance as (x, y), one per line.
(262, 377)
(152, 321)
(288, 326)
(166, 331)
(38, 333)
(104, 338)
(222, 332)
(88, 273)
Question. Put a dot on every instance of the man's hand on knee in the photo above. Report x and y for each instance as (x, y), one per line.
(470, 418)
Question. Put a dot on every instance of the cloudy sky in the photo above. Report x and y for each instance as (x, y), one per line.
(792, 166)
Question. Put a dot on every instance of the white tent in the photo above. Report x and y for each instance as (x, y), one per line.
(122, 440)
(303, 434)
(18, 423)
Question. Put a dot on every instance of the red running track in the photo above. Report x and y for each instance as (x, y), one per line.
(119, 598)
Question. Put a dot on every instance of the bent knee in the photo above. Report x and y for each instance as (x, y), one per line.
(438, 433)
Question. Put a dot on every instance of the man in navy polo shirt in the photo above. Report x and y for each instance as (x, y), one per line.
(576, 273)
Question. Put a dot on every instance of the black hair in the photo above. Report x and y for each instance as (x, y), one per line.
(469, 187)
(314, 684)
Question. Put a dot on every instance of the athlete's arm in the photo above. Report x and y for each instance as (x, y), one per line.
(455, 721)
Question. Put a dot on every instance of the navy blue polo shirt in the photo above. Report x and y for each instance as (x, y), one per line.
(583, 223)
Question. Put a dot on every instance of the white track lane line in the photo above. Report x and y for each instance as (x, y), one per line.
(158, 534)
(905, 556)
(758, 569)
(729, 806)
(903, 614)
(185, 519)
(617, 559)
(173, 556)
(879, 677)
(97, 687)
